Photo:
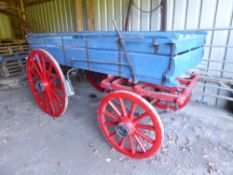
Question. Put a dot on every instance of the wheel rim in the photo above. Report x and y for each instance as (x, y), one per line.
(46, 81)
(95, 79)
(122, 118)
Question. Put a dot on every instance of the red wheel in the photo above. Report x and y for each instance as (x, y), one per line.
(136, 132)
(46, 81)
(95, 79)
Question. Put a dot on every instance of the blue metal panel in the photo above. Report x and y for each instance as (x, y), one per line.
(150, 52)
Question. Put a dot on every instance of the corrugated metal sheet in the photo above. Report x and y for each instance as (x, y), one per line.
(5, 27)
(107, 10)
(182, 14)
(51, 16)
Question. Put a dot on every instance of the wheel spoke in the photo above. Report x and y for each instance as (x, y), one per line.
(146, 127)
(145, 137)
(140, 143)
(132, 110)
(36, 68)
(56, 95)
(39, 64)
(44, 66)
(56, 102)
(121, 101)
(141, 117)
(47, 102)
(51, 103)
(110, 115)
(49, 72)
(108, 123)
(42, 97)
(35, 74)
(132, 147)
(114, 108)
(121, 144)
(53, 79)
(56, 87)
(112, 134)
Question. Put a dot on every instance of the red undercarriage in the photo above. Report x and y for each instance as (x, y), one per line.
(164, 97)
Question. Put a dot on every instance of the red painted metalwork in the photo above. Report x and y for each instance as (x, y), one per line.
(46, 81)
(164, 97)
(95, 79)
(130, 124)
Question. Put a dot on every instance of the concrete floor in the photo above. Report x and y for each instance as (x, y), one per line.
(198, 140)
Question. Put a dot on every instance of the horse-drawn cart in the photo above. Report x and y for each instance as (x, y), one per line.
(144, 69)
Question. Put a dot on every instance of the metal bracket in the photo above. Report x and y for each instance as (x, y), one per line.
(164, 78)
(68, 85)
(69, 88)
(157, 46)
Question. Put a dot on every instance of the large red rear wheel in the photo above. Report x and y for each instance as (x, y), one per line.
(130, 124)
(46, 81)
(95, 79)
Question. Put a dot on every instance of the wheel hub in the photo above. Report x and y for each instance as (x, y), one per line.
(124, 128)
(40, 86)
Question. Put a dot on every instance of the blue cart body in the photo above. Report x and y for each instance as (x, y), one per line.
(153, 55)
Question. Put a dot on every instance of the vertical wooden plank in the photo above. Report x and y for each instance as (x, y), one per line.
(90, 15)
(78, 15)
(22, 9)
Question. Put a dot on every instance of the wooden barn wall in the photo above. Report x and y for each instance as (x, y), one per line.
(51, 16)
(5, 27)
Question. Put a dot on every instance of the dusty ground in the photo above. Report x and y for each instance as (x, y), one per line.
(198, 140)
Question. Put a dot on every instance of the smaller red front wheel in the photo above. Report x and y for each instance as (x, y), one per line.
(95, 79)
(130, 124)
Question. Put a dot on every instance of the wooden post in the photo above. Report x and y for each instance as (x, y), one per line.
(128, 15)
(78, 15)
(163, 15)
(90, 14)
(22, 9)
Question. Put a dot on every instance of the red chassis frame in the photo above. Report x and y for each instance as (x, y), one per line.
(164, 97)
